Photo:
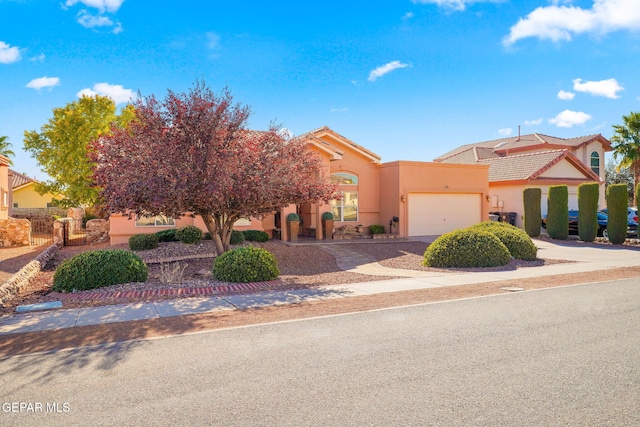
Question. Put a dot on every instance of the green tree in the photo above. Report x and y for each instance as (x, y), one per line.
(61, 147)
(5, 148)
(626, 144)
(615, 174)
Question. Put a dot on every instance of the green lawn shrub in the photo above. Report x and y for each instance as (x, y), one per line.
(466, 247)
(327, 216)
(617, 204)
(142, 242)
(516, 240)
(293, 217)
(167, 235)
(558, 212)
(376, 229)
(637, 194)
(97, 269)
(255, 236)
(237, 237)
(189, 234)
(531, 198)
(246, 264)
(588, 194)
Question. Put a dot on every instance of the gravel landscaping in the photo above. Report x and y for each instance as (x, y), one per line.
(300, 267)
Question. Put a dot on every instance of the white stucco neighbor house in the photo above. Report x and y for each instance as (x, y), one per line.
(535, 160)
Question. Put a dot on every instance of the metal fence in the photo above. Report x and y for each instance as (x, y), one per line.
(74, 234)
(41, 229)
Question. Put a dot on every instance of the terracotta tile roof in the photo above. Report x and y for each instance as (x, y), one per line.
(18, 179)
(528, 166)
(515, 143)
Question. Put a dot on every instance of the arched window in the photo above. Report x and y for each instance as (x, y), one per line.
(595, 162)
(345, 209)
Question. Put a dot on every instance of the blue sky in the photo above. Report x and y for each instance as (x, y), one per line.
(408, 79)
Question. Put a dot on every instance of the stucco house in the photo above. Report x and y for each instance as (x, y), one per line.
(24, 194)
(5, 189)
(535, 160)
(427, 197)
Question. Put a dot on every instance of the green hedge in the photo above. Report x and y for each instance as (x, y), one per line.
(167, 235)
(617, 211)
(467, 247)
(189, 234)
(97, 269)
(246, 264)
(517, 241)
(237, 237)
(531, 199)
(558, 212)
(255, 236)
(588, 194)
(141, 242)
(376, 229)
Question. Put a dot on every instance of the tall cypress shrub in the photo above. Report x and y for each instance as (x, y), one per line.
(588, 194)
(558, 212)
(617, 202)
(531, 198)
(637, 199)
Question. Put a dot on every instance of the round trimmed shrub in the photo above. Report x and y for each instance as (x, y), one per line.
(244, 265)
(237, 237)
(293, 217)
(97, 269)
(142, 242)
(167, 235)
(327, 216)
(189, 234)
(255, 236)
(376, 229)
(467, 247)
(517, 241)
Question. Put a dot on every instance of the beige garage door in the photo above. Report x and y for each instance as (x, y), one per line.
(440, 213)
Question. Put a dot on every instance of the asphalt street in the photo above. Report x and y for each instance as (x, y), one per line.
(561, 356)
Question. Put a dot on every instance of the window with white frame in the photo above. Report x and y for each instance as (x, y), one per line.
(595, 162)
(154, 221)
(346, 208)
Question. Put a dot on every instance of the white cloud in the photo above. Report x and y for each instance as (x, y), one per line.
(118, 93)
(213, 40)
(533, 122)
(566, 96)
(42, 82)
(385, 69)
(39, 58)
(454, 4)
(558, 23)
(505, 131)
(568, 118)
(608, 88)
(408, 15)
(88, 20)
(8, 53)
(111, 6)
(338, 110)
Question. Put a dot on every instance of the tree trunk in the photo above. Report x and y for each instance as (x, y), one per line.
(215, 233)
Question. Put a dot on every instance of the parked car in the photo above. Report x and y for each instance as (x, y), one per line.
(632, 214)
(602, 224)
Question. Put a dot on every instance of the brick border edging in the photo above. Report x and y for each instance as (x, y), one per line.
(147, 293)
(22, 278)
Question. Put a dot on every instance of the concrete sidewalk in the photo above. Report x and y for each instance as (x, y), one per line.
(585, 258)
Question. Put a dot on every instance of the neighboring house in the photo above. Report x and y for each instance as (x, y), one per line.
(535, 160)
(428, 198)
(24, 195)
(5, 193)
